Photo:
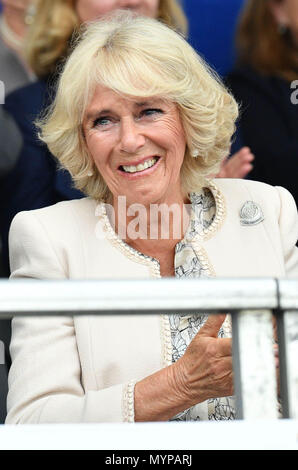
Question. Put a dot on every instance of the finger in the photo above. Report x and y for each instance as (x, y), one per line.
(225, 347)
(244, 149)
(275, 333)
(276, 360)
(241, 160)
(242, 157)
(237, 166)
(244, 152)
(212, 326)
(244, 171)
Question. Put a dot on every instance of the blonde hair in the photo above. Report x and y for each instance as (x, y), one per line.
(141, 57)
(48, 38)
(260, 43)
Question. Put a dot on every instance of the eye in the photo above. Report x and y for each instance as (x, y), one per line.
(151, 112)
(102, 121)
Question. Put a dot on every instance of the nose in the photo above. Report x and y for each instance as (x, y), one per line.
(131, 137)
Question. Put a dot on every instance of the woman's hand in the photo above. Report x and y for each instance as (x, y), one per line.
(238, 165)
(205, 371)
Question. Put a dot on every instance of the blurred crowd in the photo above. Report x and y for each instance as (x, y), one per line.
(35, 37)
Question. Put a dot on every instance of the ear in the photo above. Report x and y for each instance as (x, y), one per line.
(279, 11)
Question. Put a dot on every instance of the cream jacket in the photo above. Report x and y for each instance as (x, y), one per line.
(83, 369)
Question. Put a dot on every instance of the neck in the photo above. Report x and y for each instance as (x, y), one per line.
(153, 230)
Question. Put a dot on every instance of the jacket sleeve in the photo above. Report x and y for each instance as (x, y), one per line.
(45, 376)
(288, 222)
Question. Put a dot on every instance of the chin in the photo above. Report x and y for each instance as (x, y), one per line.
(151, 198)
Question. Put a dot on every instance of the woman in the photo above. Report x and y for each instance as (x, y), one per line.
(264, 83)
(36, 182)
(137, 123)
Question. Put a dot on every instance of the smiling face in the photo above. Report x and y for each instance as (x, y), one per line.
(89, 10)
(138, 146)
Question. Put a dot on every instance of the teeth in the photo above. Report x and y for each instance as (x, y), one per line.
(140, 167)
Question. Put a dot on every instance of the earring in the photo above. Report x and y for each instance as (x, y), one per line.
(195, 153)
(30, 14)
(90, 173)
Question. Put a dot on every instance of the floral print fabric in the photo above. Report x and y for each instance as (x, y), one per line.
(185, 327)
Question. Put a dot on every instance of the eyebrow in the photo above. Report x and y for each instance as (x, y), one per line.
(94, 114)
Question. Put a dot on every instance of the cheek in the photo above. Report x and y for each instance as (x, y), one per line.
(96, 149)
(176, 139)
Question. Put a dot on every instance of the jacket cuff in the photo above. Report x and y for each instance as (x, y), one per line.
(128, 402)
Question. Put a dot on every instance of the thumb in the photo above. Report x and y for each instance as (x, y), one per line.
(212, 325)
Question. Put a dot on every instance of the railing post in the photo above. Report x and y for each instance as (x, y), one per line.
(237, 366)
(291, 335)
(288, 357)
(287, 321)
(254, 366)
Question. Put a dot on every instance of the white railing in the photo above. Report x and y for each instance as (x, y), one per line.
(251, 302)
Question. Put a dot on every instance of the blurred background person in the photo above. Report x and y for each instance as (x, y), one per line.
(263, 82)
(15, 18)
(211, 30)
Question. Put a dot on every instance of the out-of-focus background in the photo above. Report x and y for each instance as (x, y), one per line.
(211, 30)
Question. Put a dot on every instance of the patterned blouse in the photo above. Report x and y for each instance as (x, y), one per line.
(185, 327)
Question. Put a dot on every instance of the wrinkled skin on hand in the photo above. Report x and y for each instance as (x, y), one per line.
(206, 371)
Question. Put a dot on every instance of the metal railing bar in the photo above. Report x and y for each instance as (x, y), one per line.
(30, 297)
(288, 294)
(250, 301)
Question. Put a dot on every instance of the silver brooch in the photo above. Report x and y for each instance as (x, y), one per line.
(251, 214)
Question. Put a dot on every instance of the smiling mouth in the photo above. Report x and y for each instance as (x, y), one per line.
(140, 167)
